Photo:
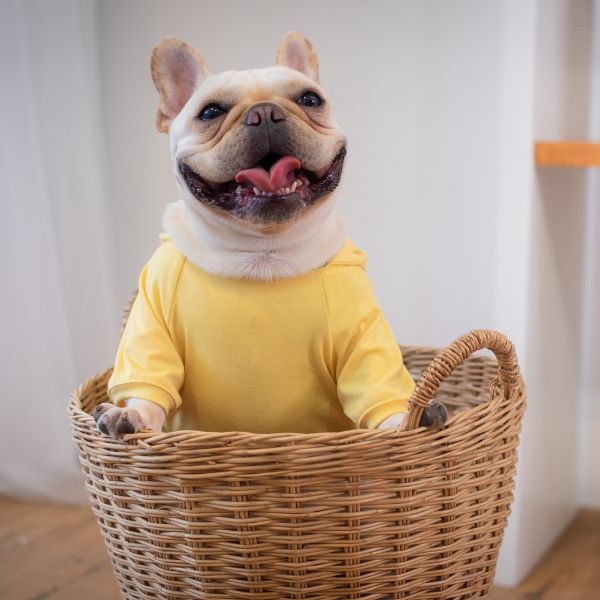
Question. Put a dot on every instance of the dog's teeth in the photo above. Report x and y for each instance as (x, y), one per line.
(294, 186)
(256, 191)
(239, 188)
(299, 182)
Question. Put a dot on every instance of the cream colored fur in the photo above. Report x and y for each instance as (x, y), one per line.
(230, 247)
(233, 249)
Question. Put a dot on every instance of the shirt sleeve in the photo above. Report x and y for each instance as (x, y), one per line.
(372, 380)
(148, 364)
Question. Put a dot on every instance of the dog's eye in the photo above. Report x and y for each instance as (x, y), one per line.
(212, 111)
(310, 99)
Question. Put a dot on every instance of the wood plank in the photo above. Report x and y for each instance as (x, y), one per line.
(567, 154)
(50, 552)
(571, 568)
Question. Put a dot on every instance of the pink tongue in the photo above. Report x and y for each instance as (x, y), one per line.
(280, 175)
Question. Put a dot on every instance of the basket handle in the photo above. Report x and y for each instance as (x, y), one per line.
(454, 355)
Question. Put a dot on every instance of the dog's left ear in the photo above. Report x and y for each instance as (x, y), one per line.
(296, 52)
(177, 70)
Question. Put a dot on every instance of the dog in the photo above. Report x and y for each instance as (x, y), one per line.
(255, 313)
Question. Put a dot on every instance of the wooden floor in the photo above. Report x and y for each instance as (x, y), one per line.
(55, 552)
(570, 570)
(49, 551)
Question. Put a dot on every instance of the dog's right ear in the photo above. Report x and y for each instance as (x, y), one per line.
(296, 52)
(177, 70)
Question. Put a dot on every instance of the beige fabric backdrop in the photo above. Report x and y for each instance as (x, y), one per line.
(58, 295)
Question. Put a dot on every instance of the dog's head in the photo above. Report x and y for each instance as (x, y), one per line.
(261, 146)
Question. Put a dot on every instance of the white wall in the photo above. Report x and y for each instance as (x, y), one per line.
(416, 88)
(513, 225)
(550, 331)
(589, 448)
(559, 239)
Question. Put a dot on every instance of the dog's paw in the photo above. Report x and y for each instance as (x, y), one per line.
(434, 416)
(392, 421)
(116, 422)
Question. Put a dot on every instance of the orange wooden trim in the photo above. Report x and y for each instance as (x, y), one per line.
(567, 154)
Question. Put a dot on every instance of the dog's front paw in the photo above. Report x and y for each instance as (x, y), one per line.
(116, 422)
(434, 416)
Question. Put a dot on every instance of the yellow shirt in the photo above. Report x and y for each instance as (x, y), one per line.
(304, 354)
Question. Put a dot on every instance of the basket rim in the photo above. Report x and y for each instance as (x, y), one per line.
(77, 414)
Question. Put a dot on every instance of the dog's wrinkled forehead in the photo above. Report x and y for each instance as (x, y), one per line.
(233, 90)
(178, 72)
(237, 91)
(255, 84)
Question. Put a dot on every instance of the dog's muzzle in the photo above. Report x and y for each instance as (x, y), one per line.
(275, 189)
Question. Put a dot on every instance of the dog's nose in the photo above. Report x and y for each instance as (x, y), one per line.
(263, 113)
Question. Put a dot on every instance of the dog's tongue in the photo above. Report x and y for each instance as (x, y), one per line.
(280, 175)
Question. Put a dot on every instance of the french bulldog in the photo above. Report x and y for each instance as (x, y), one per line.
(258, 156)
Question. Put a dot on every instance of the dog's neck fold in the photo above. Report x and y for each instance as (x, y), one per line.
(225, 247)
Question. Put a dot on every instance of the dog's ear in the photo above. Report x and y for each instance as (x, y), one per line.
(296, 52)
(177, 69)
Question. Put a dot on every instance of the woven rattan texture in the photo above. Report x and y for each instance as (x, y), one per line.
(357, 514)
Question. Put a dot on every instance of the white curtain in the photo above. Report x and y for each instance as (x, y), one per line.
(58, 309)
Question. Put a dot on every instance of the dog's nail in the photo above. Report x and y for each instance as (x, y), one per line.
(440, 414)
(102, 426)
(425, 420)
(100, 410)
(125, 426)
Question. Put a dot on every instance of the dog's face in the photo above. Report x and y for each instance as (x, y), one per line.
(261, 146)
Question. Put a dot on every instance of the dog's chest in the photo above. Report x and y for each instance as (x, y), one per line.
(257, 355)
(250, 324)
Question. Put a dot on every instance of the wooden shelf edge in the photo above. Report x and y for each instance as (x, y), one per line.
(567, 154)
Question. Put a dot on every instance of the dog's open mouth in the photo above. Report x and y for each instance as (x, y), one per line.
(276, 185)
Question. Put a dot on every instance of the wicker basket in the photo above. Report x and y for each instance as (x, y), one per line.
(356, 514)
